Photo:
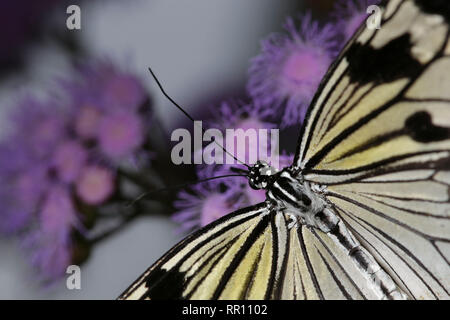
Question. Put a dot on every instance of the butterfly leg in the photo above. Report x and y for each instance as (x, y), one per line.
(381, 282)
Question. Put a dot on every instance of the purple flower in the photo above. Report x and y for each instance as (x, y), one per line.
(233, 113)
(20, 193)
(120, 133)
(51, 161)
(106, 108)
(254, 196)
(49, 255)
(31, 202)
(205, 202)
(288, 70)
(350, 15)
(50, 242)
(38, 127)
(123, 91)
(95, 184)
(87, 120)
(23, 166)
(237, 115)
(102, 84)
(69, 159)
(57, 214)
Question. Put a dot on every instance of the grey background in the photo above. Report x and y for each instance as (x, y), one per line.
(196, 47)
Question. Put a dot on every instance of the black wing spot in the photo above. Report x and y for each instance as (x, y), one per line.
(386, 64)
(420, 128)
(441, 7)
(165, 285)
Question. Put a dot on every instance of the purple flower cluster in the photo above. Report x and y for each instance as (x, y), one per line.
(282, 81)
(237, 114)
(286, 74)
(63, 152)
(290, 66)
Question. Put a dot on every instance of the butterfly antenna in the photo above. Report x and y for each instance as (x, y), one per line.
(239, 170)
(187, 115)
(179, 186)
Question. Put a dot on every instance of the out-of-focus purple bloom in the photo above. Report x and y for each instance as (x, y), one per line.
(20, 193)
(205, 202)
(57, 214)
(95, 184)
(50, 242)
(106, 106)
(236, 115)
(350, 14)
(38, 128)
(123, 91)
(50, 254)
(232, 114)
(290, 66)
(105, 86)
(31, 202)
(25, 160)
(214, 207)
(53, 160)
(254, 196)
(87, 121)
(69, 159)
(120, 133)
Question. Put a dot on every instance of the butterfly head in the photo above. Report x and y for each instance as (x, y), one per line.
(261, 175)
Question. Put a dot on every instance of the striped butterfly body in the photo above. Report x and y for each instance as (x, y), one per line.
(364, 210)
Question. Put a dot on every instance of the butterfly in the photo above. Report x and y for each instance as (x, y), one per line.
(364, 211)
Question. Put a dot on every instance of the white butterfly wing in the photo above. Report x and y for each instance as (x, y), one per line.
(378, 138)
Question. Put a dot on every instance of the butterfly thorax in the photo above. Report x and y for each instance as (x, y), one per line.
(286, 190)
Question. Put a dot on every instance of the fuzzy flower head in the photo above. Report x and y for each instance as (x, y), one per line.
(106, 86)
(49, 254)
(120, 133)
(38, 127)
(20, 193)
(95, 184)
(25, 158)
(123, 91)
(49, 242)
(108, 110)
(69, 158)
(205, 202)
(243, 118)
(87, 120)
(289, 68)
(57, 214)
(56, 161)
(350, 15)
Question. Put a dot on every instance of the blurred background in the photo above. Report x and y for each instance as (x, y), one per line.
(198, 48)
